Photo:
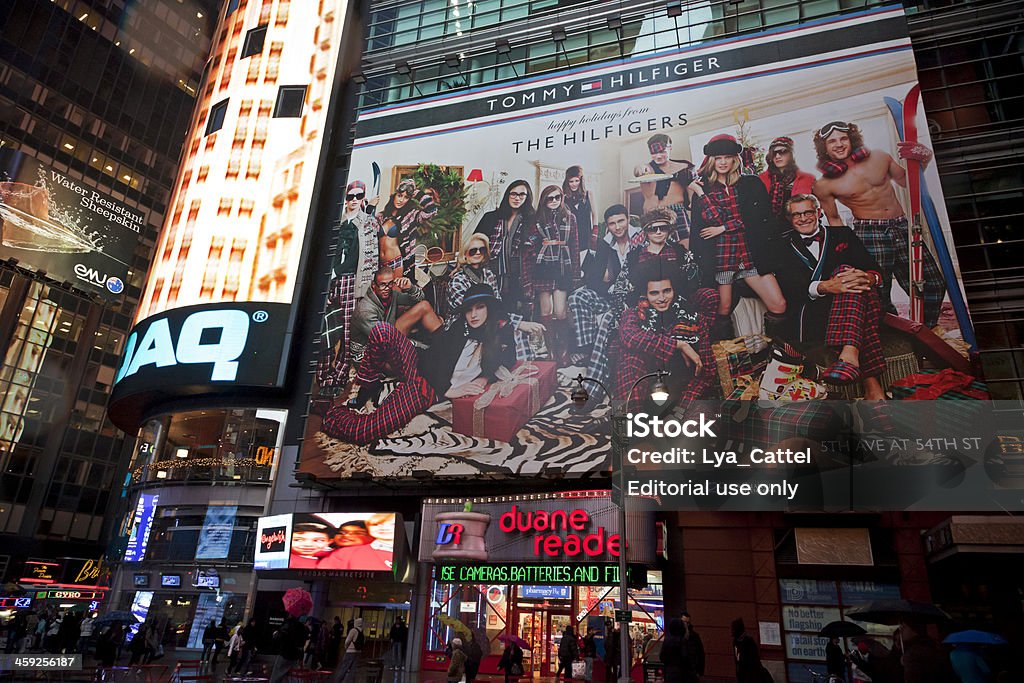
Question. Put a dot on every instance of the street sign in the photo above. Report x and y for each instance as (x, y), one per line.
(623, 616)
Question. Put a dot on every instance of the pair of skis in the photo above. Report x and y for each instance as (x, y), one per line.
(922, 212)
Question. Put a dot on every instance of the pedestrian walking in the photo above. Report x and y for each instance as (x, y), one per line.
(474, 655)
(235, 645)
(694, 645)
(399, 634)
(511, 661)
(568, 652)
(589, 653)
(353, 644)
(290, 638)
(457, 662)
(748, 656)
(675, 657)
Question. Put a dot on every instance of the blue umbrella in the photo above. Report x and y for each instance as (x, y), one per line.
(974, 638)
(111, 617)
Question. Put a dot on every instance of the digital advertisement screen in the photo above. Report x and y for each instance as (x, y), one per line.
(233, 239)
(207, 578)
(170, 580)
(145, 511)
(140, 580)
(140, 609)
(210, 608)
(215, 536)
(328, 541)
(652, 196)
(50, 221)
(273, 541)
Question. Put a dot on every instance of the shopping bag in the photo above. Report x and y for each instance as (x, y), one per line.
(579, 670)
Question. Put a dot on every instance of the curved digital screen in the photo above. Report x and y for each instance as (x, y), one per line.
(199, 351)
(234, 236)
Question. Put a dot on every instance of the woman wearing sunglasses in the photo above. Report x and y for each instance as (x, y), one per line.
(461, 361)
(552, 266)
(474, 269)
(352, 269)
(738, 233)
(506, 228)
(401, 221)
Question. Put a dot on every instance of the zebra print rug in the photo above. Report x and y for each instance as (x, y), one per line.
(556, 440)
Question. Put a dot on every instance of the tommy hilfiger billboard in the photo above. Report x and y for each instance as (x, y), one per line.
(633, 217)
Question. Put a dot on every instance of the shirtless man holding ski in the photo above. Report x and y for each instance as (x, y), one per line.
(862, 180)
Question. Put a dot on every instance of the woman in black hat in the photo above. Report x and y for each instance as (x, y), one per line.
(736, 232)
(461, 361)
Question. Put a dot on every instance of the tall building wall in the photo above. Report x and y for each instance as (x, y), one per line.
(99, 93)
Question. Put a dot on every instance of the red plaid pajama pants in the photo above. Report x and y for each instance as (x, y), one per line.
(853, 320)
(385, 348)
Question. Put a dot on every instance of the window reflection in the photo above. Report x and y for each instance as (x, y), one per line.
(209, 445)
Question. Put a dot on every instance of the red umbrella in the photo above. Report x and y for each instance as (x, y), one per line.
(297, 601)
(512, 638)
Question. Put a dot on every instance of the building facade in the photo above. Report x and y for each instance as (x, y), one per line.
(264, 232)
(96, 98)
(229, 266)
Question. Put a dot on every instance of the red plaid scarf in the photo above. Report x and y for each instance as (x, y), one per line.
(834, 169)
(781, 188)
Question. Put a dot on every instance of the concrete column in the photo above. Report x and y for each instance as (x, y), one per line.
(417, 621)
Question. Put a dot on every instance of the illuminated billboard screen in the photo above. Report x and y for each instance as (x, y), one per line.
(273, 541)
(142, 525)
(52, 222)
(233, 239)
(600, 205)
(215, 536)
(328, 541)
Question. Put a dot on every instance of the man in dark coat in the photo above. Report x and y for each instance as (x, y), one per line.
(748, 657)
(694, 645)
(568, 652)
(831, 284)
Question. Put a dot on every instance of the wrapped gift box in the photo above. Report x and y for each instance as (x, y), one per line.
(741, 356)
(943, 402)
(508, 404)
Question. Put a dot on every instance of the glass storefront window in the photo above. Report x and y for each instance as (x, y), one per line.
(176, 613)
(209, 445)
(539, 615)
(809, 604)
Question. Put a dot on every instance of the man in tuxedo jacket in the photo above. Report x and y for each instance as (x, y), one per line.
(831, 284)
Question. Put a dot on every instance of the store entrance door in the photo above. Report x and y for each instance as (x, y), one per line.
(542, 627)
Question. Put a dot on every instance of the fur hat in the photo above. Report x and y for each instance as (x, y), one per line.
(722, 145)
(659, 215)
(781, 141)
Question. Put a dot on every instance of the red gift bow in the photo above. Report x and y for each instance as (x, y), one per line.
(935, 385)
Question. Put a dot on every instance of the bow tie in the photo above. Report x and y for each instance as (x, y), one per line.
(818, 237)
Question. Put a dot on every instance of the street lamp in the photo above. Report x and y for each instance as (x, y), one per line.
(660, 395)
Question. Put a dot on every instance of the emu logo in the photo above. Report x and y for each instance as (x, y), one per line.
(449, 534)
(157, 348)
